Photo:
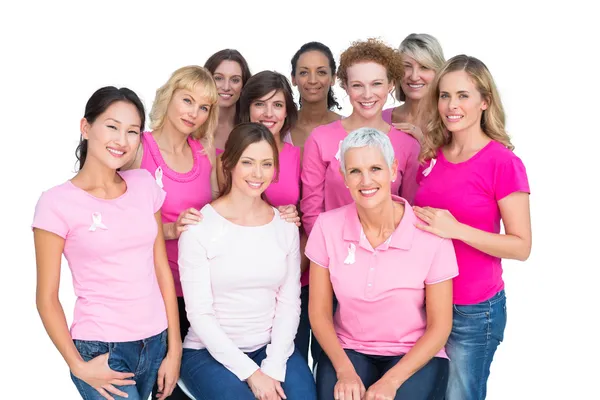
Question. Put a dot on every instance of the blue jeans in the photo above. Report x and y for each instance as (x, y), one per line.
(477, 330)
(302, 339)
(142, 357)
(428, 383)
(207, 379)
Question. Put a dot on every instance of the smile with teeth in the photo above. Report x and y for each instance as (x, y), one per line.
(368, 192)
(415, 86)
(368, 104)
(115, 152)
(454, 117)
(225, 95)
(268, 124)
(254, 185)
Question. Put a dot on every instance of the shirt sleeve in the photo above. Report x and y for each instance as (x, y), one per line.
(158, 195)
(313, 183)
(194, 270)
(511, 177)
(444, 265)
(47, 215)
(287, 315)
(316, 250)
(409, 185)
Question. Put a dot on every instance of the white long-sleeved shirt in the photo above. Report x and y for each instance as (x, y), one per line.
(241, 287)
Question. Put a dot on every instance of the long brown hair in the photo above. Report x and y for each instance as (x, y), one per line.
(242, 136)
(492, 119)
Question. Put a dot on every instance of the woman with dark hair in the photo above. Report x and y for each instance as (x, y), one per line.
(313, 72)
(108, 225)
(230, 72)
(240, 272)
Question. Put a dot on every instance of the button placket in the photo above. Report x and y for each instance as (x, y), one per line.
(371, 274)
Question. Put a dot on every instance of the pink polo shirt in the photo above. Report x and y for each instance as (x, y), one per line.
(286, 190)
(380, 292)
(184, 190)
(470, 190)
(109, 246)
(323, 187)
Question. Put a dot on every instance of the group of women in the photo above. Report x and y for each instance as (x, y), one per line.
(242, 232)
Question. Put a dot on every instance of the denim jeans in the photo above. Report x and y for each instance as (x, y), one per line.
(477, 330)
(302, 339)
(207, 379)
(142, 357)
(428, 383)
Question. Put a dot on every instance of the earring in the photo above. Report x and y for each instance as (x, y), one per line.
(393, 180)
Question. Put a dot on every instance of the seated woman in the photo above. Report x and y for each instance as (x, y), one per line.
(393, 283)
(240, 274)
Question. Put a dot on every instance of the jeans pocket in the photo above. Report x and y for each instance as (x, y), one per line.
(89, 349)
(479, 310)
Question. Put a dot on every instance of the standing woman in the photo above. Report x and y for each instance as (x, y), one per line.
(472, 180)
(179, 154)
(230, 72)
(240, 270)
(422, 57)
(107, 223)
(313, 72)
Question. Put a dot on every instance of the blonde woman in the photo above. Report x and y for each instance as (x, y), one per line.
(469, 182)
(422, 56)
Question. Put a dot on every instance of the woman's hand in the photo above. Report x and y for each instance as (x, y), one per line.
(383, 389)
(188, 217)
(290, 214)
(439, 222)
(168, 374)
(264, 387)
(349, 386)
(101, 377)
(411, 129)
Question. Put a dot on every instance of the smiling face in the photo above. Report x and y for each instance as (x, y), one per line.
(188, 110)
(368, 87)
(313, 76)
(368, 176)
(460, 104)
(269, 110)
(114, 135)
(228, 77)
(255, 169)
(417, 78)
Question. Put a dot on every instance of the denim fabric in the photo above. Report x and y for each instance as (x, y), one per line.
(302, 339)
(207, 379)
(142, 357)
(428, 383)
(477, 331)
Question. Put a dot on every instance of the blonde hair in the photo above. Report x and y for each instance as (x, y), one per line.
(187, 78)
(426, 50)
(492, 118)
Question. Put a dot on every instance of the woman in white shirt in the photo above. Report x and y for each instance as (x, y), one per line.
(240, 274)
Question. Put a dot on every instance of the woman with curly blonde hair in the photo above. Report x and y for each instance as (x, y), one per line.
(179, 153)
(470, 181)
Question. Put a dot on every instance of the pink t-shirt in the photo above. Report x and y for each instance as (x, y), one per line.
(286, 190)
(380, 292)
(323, 187)
(470, 190)
(109, 246)
(387, 115)
(190, 189)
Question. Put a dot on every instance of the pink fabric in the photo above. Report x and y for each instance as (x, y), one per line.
(286, 190)
(323, 187)
(109, 246)
(387, 115)
(218, 151)
(470, 190)
(287, 138)
(190, 189)
(380, 292)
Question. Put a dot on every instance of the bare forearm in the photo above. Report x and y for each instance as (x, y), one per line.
(494, 244)
(421, 353)
(53, 318)
(169, 231)
(325, 333)
(167, 289)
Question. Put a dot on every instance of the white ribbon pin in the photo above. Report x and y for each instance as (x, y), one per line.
(351, 257)
(158, 174)
(427, 170)
(339, 152)
(97, 222)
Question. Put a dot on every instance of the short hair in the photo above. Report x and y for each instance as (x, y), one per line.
(363, 137)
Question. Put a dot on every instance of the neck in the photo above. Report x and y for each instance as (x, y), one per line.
(96, 174)
(278, 140)
(243, 206)
(170, 139)
(469, 138)
(313, 113)
(227, 115)
(412, 108)
(355, 121)
(380, 219)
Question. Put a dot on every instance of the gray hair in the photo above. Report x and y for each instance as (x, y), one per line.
(363, 137)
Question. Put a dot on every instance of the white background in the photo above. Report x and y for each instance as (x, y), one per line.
(543, 58)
